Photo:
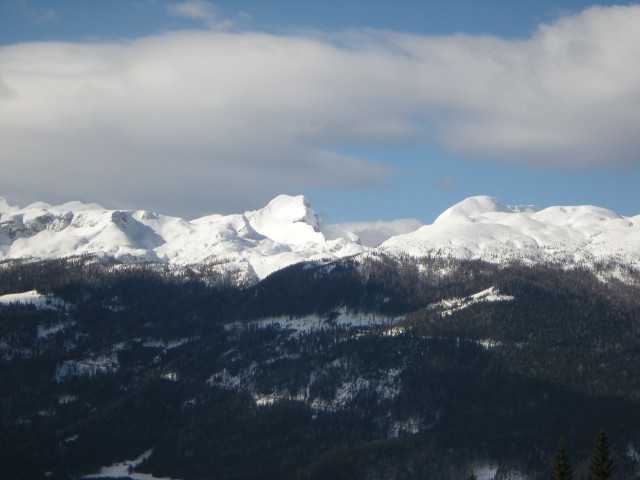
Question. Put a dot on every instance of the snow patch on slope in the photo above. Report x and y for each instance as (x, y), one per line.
(452, 305)
(32, 297)
(45, 331)
(125, 470)
(90, 367)
(311, 323)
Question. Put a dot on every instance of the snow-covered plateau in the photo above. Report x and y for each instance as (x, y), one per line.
(484, 229)
(288, 231)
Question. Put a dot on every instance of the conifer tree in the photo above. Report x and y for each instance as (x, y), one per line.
(600, 462)
(561, 469)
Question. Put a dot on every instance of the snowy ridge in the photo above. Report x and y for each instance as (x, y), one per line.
(482, 228)
(255, 243)
(252, 245)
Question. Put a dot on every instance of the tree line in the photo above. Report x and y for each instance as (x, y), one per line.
(600, 462)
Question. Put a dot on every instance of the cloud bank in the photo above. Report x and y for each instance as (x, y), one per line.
(226, 120)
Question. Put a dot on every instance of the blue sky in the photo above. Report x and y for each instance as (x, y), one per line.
(372, 109)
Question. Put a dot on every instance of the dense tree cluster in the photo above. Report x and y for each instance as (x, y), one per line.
(600, 463)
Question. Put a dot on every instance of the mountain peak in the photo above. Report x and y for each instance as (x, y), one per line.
(4, 205)
(473, 206)
(288, 208)
(287, 231)
(483, 228)
(287, 219)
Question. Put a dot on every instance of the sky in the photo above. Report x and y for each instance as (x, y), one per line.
(373, 109)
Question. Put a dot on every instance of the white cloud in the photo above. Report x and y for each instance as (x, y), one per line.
(5, 92)
(199, 10)
(37, 15)
(226, 120)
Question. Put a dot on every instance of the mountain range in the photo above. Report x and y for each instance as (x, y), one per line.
(382, 350)
(257, 243)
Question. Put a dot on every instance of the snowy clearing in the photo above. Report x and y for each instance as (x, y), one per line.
(451, 305)
(125, 470)
(32, 297)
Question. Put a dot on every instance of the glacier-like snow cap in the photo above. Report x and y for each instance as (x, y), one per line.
(287, 219)
(5, 207)
(287, 208)
(475, 206)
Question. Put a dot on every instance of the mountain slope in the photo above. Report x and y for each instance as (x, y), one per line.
(383, 368)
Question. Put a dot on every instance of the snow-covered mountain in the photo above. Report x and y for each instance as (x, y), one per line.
(254, 244)
(483, 228)
(288, 231)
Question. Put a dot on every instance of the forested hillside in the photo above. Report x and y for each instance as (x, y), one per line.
(369, 367)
